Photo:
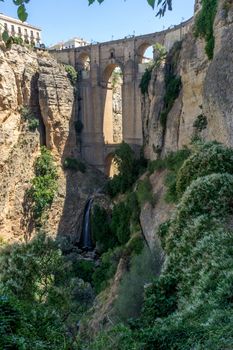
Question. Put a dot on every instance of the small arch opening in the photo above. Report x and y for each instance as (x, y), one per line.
(110, 166)
(84, 62)
(145, 53)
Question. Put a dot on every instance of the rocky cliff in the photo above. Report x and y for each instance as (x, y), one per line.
(36, 81)
(206, 90)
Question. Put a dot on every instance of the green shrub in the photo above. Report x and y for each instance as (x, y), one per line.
(107, 268)
(135, 245)
(44, 185)
(129, 169)
(84, 269)
(101, 232)
(74, 164)
(172, 90)
(41, 301)
(200, 123)
(71, 74)
(204, 25)
(158, 164)
(143, 269)
(144, 192)
(145, 81)
(208, 159)
(33, 124)
(28, 116)
(120, 223)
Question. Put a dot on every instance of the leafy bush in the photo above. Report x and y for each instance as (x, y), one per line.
(173, 161)
(208, 159)
(143, 268)
(101, 232)
(71, 74)
(172, 90)
(146, 78)
(44, 185)
(84, 269)
(74, 164)
(204, 25)
(28, 116)
(107, 268)
(129, 168)
(120, 223)
(200, 123)
(144, 192)
(39, 303)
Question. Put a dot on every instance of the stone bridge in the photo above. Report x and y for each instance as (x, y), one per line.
(95, 92)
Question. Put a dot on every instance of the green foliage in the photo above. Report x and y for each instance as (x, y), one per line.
(101, 231)
(107, 268)
(44, 185)
(41, 300)
(173, 82)
(142, 269)
(135, 245)
(146, 78)
(84, 269)
(200, 123)
(28, 116)
(204, 25)
(144, 192)
(208, 159)
(71, 74)
(189, 305)
(129, 169)
(9, 40)
(172, 90)
(120, 223)
(74, 164)
(173, 162)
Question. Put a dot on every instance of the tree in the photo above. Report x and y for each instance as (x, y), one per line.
(163, 5)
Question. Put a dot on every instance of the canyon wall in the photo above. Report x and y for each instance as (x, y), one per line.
(206, 90)
(36, 81)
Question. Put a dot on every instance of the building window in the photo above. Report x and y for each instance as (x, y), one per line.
(12, 28)
(5, 26)
(25, 31)
(32, 35)
(19, 31)
(38, 35)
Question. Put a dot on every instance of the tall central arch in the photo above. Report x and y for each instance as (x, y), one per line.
(112, 98)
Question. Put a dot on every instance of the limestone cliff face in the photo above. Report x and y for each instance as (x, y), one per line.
(206, 89)
(36, 80)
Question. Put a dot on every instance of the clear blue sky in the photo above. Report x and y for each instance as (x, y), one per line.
(64, 19)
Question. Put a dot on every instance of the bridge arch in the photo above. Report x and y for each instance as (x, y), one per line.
(84, 61)
(142, 49)
(112, 81)
(110, 168)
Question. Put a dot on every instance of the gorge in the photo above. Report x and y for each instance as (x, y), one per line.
(142, 259)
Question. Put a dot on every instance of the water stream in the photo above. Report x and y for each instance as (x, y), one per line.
(86, 240)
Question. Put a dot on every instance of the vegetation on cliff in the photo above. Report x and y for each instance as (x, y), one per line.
(44, 186)
(204, 25)
(190, 304)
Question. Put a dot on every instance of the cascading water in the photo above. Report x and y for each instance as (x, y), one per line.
(86, 241)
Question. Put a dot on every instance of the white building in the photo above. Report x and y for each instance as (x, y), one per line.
(16, 28)
(69, 44)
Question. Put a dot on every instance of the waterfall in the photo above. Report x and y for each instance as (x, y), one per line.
(86, 241)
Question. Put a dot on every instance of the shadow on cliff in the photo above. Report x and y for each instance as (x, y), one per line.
(75, 187)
